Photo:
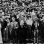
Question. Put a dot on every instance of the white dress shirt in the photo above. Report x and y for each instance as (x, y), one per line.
(29, 21)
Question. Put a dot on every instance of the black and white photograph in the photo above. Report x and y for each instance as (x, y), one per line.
(22, 21)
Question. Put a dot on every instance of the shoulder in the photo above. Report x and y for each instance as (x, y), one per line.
(11, 23)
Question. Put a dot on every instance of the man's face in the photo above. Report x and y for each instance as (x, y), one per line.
(33, 12)
(13, 19)
(7, 20)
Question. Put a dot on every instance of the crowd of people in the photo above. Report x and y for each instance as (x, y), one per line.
(18, 21)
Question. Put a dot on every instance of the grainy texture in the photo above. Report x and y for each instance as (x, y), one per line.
(22, 21)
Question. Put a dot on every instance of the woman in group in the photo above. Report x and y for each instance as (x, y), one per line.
(13, 29)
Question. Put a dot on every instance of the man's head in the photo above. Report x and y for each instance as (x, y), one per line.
(13, 19)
